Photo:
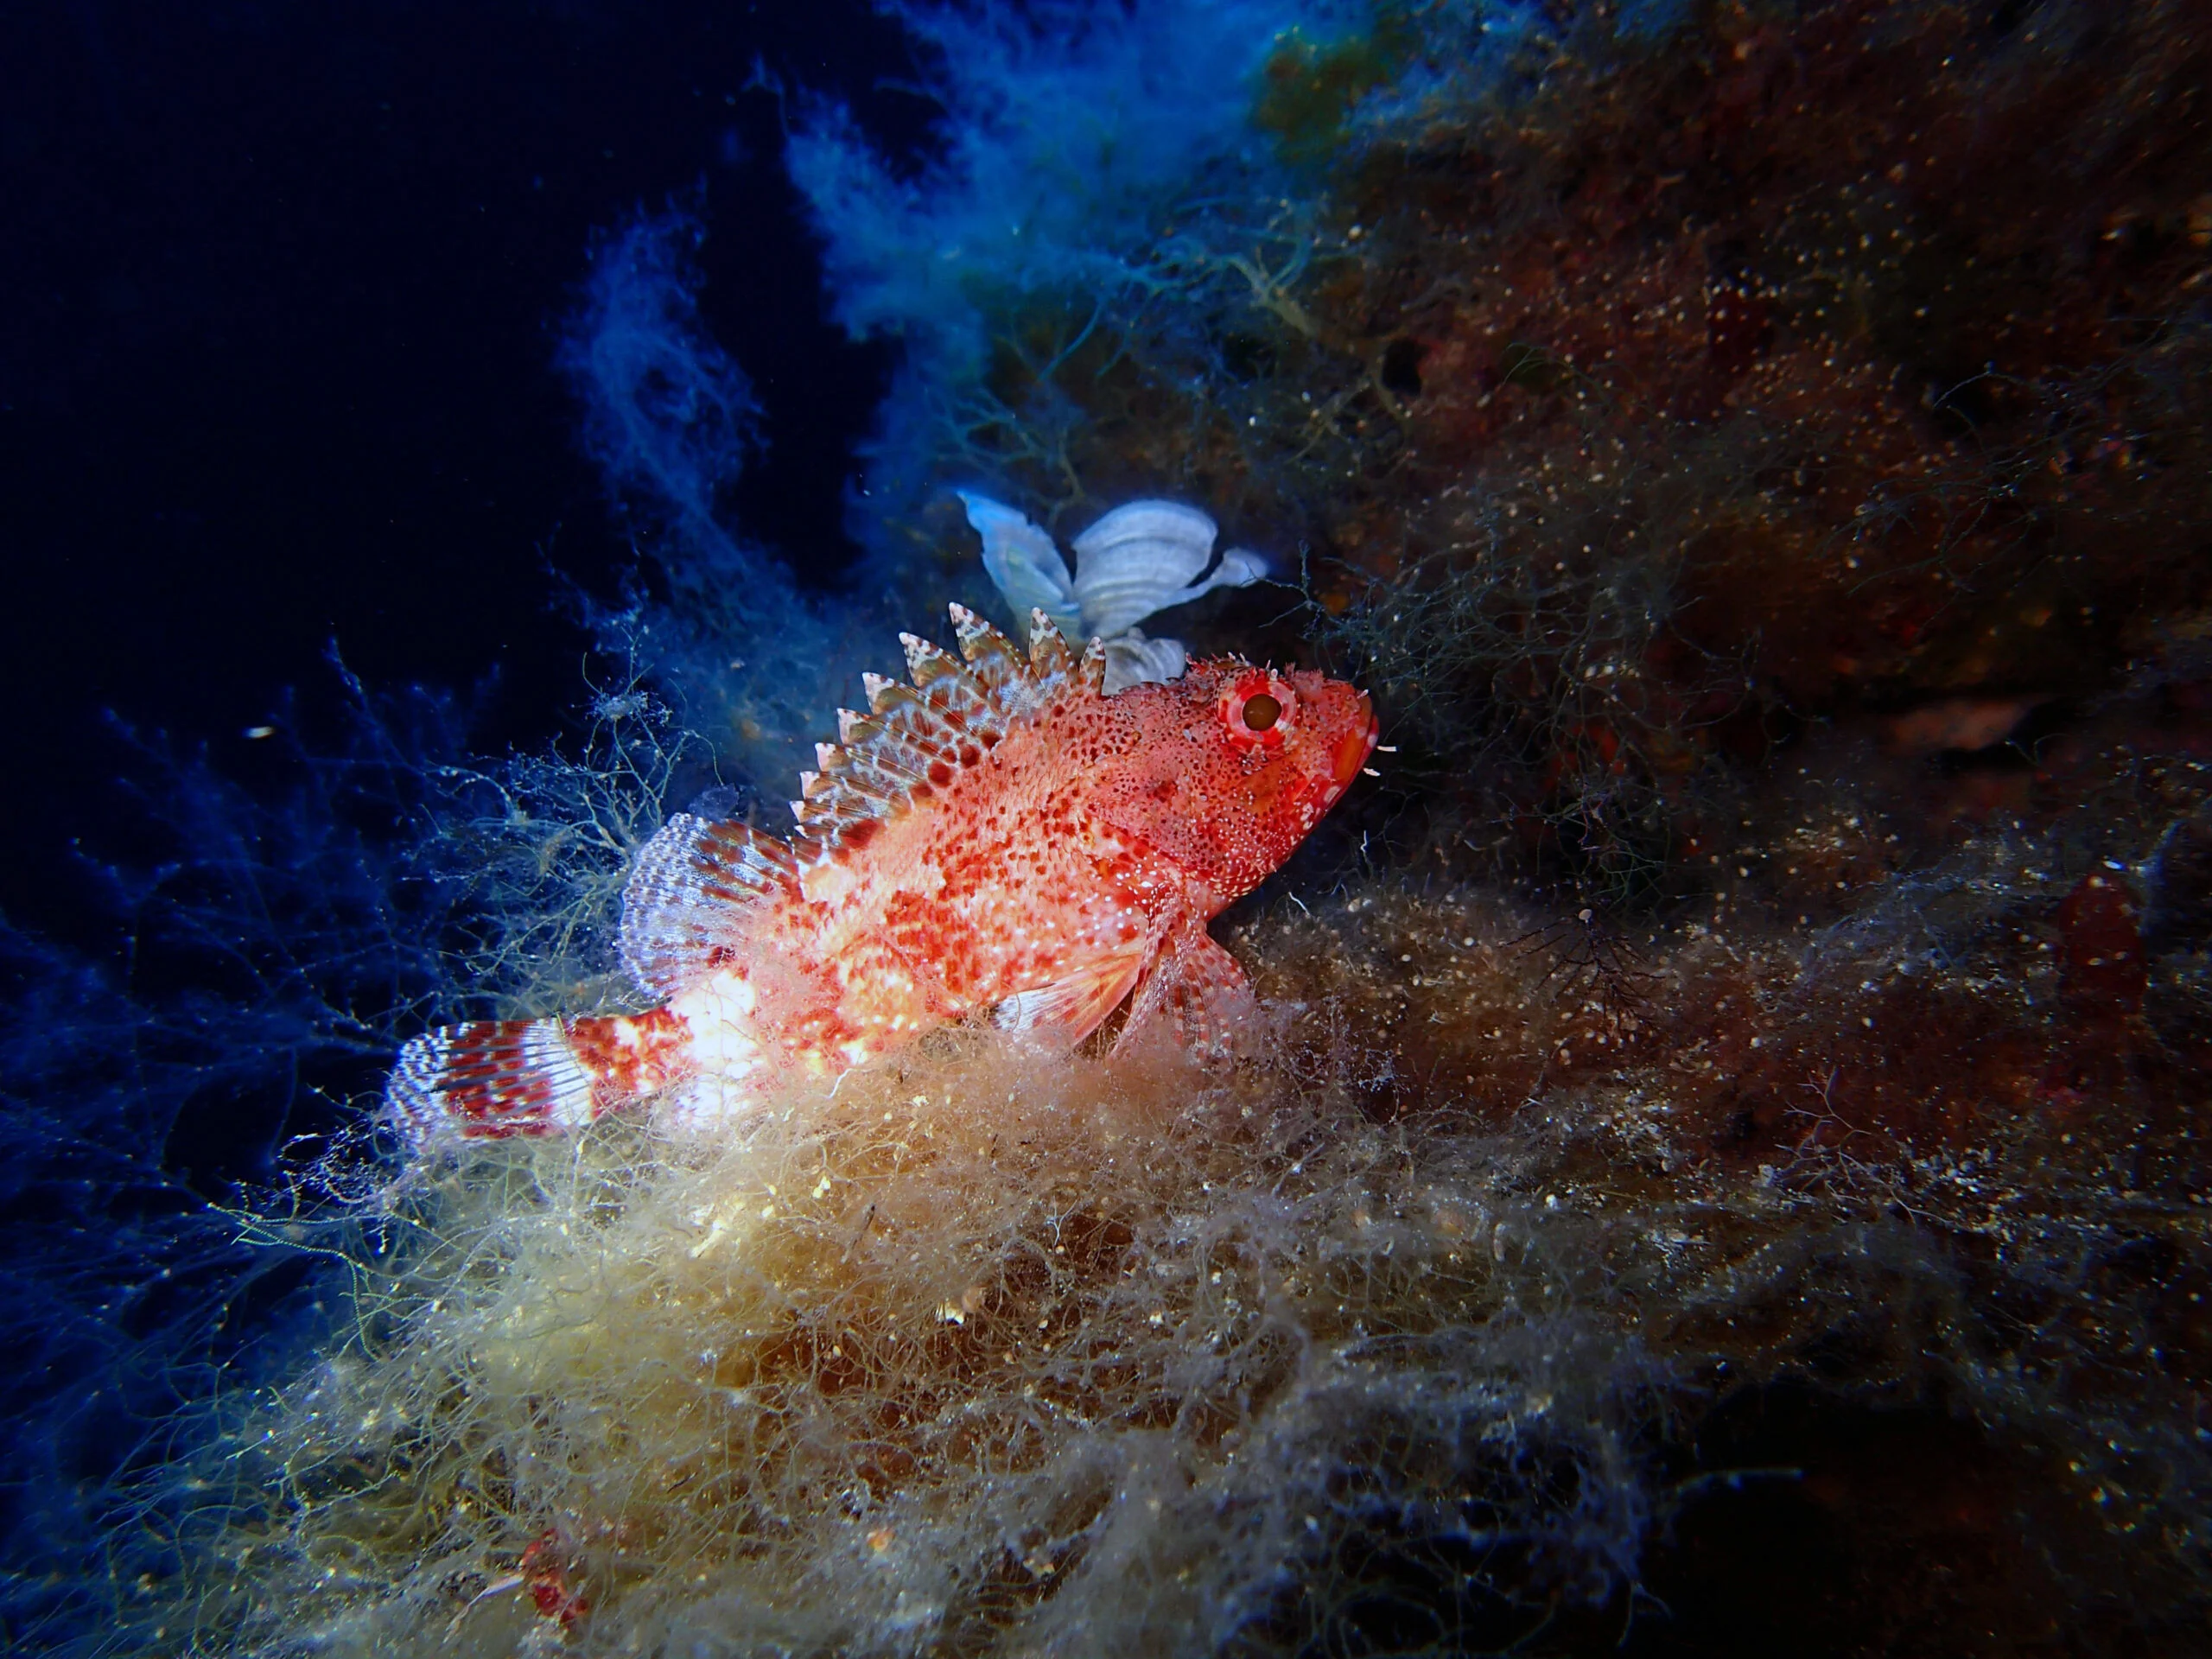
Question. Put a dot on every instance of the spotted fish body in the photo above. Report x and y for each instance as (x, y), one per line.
(1000, 835)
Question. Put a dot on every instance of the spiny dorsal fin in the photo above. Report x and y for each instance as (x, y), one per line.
(916, 739)
(1048, 648)
(998, 666)
(934, 669)
(691, 883)
(1089, 675)
(968, 628)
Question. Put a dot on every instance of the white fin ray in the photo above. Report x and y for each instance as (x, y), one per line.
(1068, 1010)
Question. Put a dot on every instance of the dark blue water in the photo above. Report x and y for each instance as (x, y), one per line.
(275, 350)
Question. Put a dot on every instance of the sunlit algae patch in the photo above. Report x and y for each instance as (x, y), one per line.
(1717, 1163)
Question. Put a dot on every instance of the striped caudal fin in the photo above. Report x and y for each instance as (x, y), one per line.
(494, 1078)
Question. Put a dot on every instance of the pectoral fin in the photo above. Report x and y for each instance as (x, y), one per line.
(683, 906)
(1068, 1010)
(1194, 995)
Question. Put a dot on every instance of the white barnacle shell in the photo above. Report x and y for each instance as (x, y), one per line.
(1131, 659)
(1148, 556)
(1023, 563)
(1139, 558)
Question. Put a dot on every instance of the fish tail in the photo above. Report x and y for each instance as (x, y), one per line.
(493, 1079)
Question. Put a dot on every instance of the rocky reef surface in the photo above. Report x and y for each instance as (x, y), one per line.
(1723, 1168)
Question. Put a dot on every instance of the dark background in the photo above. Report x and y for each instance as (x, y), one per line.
(280, 288)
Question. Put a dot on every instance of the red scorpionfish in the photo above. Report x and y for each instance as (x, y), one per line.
(1001, 836)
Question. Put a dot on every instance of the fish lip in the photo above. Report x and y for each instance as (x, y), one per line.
(1351, 756)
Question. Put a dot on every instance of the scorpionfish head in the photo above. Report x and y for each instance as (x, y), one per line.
(1225, 770)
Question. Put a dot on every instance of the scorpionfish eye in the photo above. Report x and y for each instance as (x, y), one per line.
(1258, 711)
